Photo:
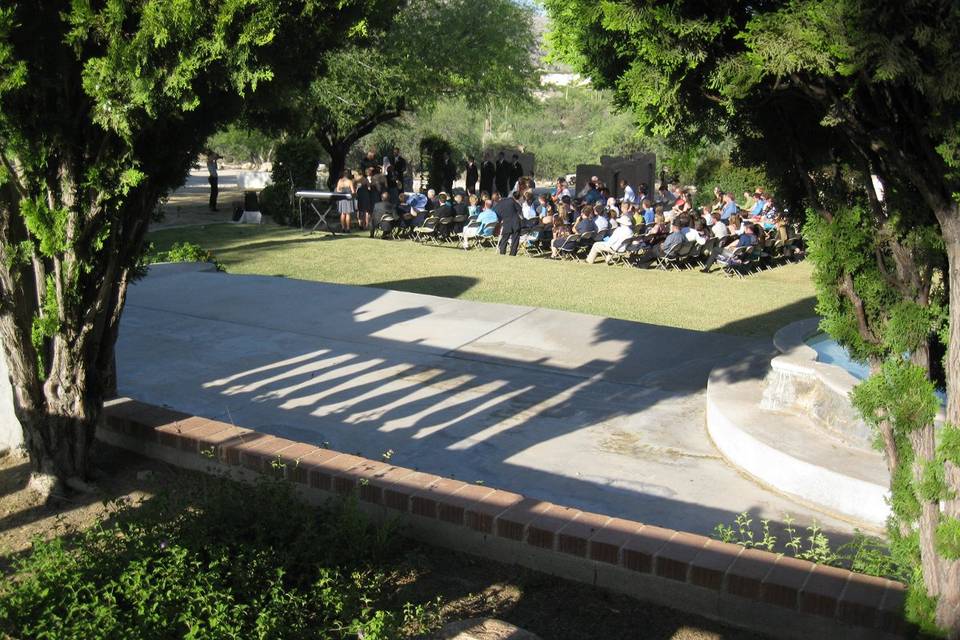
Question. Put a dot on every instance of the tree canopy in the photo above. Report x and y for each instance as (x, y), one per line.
(834, 95)
(104, 106)
(479, 50)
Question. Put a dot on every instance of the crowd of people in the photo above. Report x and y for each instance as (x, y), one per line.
(501, 206)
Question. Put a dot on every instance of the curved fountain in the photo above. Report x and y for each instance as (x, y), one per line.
(788, 423)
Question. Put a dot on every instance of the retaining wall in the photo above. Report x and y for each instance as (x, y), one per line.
(754, 589)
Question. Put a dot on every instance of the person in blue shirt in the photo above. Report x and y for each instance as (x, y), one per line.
(746, 239)
(758, 205)
(485, 224)
(648, 212)
(585, 223)
(729, 207)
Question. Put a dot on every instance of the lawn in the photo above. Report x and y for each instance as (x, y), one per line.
(757, 305)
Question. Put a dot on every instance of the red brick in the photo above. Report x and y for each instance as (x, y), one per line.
(258, 454)
(581, 526)
(216, 437)
(782, 585)
(360, 477)
(290, 458)
(822, 591)
(891, 609)
(230, 449)
(171, 434)
(391, 495)
(606, 543)
(745, 576)
(398, 492)
(673, 558)
(193, 429)
(710, 565)
(470, 498)
(438, 501)
(860, 601)
(318, 474)
(482, 515)
(337, 467)
(640, 549)
(512, 522)
(543, 530)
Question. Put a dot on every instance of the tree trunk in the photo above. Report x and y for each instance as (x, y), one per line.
(338, 163)
(948, 607)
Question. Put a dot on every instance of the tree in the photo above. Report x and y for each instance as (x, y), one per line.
(833, 94)
(104, 106)
(477, 49)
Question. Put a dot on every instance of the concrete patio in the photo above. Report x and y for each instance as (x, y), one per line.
(599, 414)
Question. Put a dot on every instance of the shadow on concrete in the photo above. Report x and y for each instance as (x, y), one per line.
(557, 423)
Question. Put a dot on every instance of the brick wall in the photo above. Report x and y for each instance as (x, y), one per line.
(764, 591)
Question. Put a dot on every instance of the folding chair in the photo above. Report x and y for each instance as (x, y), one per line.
(483, 239)
(444, 230)
(462, 235)
(736, 264)
(570, 246)
(427, 230)
(583, 245)
(675, 257)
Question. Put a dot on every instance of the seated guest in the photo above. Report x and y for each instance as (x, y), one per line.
(432, 202)
(384, 216)
(659, 225)
(735, 225)
(682, 203)
(592, 196)
(758, 205)
(729, 207)
(544, 206)
(612, 211)
(717, 204)
(601, 221)
(473, 209)
(585, 223)
(484, 225)
(562, 190)
(648, 212)
(561, 232)
(717, 227)
(669, 244)
(614, 242)
(748, 201)
(748, 239)
(528, 209)
(460, 210)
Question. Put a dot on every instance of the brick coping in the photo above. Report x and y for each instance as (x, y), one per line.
(748, 575)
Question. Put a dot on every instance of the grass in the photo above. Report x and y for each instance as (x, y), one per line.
(756, 306)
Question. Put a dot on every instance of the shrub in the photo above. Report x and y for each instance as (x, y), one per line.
(184, 252)
(214, 559)
(294, 168)
(729, 177)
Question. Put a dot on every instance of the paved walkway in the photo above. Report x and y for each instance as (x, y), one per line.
(600, 414)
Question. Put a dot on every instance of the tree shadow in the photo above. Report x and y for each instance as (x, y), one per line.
(600, 414)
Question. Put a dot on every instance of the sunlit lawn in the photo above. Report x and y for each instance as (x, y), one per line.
(757, 305)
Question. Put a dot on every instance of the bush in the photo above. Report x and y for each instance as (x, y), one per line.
(294, 168)
(238, 145)
(214, 559)
(729, 177)
(185, 252)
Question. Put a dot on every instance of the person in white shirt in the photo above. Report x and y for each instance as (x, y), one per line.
(612, 244)
(562, 190)
(629, 195)
(718, 227)
(602, 222)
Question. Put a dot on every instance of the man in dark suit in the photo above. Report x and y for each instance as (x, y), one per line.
(503, 175)
(487, 172)
(510, 213)
(398, 166)
(473, 174)
(381, 210)
(516, 170)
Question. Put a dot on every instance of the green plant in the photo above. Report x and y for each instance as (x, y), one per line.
(187, 252)
(864, 554)
(294, 168)
(215, 559)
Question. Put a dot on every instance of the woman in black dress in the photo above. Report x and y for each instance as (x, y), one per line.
(365, 200)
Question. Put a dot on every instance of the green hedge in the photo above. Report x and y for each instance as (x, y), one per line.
(294, 168)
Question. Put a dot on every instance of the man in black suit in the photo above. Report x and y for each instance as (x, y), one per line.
(503, 175)
(473, 174)
(487, 172)
(383, 209)
(516, 170)
(510, 213)
(398, 165)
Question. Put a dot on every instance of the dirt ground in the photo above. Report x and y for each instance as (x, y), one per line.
(469, 587)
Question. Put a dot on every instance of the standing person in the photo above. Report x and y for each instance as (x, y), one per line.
(487, 172)
(345, 207)
(509, 211)
(503, 175)
(214, 178)
(399, 166)
(448, 173)
(516, 169)
(473, 174)
(369, 160)
(629, 195)
(366, 198)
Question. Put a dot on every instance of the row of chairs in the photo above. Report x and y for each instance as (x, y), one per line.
(635, 252)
